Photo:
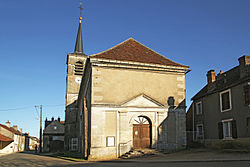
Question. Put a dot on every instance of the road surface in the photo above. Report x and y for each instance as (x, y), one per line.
(28, 160)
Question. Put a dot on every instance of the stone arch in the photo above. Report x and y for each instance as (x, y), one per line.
(140, 115)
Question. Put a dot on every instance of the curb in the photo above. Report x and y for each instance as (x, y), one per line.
(170, 161)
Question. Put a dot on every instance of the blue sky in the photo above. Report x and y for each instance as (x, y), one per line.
(35, 37)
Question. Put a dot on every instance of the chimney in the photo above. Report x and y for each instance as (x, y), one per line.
(52, 119)
(244, 66)
(21, 130)
(14, 127)
(58, 119)
(210, 76)
(8, 124)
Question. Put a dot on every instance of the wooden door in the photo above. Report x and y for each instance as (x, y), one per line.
(141, 136)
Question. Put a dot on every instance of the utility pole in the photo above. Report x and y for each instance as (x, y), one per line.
(40, 143)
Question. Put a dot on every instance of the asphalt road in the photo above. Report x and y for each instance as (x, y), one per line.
(28, 160)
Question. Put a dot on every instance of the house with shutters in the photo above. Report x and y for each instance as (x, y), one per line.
(127, 97)
(221, 109)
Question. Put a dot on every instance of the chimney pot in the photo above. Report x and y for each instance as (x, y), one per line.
(244, 60)
(8, 124)
(14, 127)
(211, 76)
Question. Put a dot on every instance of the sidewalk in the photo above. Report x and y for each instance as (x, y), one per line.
(194, 155)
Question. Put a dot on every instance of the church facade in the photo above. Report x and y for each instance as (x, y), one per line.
(127, 97)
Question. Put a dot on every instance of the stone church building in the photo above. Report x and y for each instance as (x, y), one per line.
(127, 97)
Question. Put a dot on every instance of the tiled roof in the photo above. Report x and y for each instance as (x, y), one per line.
(11, 129)
(3, 138)
(131, 50)
(223, 81)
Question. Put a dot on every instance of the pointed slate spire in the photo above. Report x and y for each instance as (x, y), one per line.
(79, 43)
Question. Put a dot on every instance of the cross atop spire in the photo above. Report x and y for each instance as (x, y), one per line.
(81, 8)
(79, 43)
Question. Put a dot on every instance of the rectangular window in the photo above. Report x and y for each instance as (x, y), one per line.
(227, 128)
(199, 108)
(225, 100)
(74, 144)
(199, 131)
(246, 90)
(55, 138)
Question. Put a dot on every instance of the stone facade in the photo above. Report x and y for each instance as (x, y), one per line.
(114, 94)
(127, 97)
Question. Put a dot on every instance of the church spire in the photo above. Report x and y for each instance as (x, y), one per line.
(79, 43)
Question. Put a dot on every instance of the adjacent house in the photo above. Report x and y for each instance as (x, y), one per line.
(221, 109)
(127, 97)
(11, 139)
(4, 141)
(53, 135)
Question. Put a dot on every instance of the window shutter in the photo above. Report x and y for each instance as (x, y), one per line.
(234, 129)
(220, 130)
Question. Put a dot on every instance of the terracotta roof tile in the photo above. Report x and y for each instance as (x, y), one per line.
(11, 129)
(131, 50)
(3, 138)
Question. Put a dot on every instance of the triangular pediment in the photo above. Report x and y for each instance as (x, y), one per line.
(142, 101)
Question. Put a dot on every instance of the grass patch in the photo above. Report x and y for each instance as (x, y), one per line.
(232, 145)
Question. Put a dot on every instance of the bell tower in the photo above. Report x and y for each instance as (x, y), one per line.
(75, 67)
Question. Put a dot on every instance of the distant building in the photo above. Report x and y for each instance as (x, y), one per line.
(11, 139)
(221, 109)
(53, 135)
(127, 97)
(30, 142)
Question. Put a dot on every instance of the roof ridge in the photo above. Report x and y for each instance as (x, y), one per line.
(10, 129)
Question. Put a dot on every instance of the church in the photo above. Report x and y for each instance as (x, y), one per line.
(127, 97)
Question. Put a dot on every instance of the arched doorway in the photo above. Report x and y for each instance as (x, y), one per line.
(141, 132)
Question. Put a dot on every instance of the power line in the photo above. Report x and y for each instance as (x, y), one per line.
(54, 105)
(21, 108)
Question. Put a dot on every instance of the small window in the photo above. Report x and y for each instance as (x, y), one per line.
(74, 144)
(55, 138)
(248, 122)
(199, 131)
(55, 127)
(246, 90)
(199, 108)
(227, 129)
(225, 100)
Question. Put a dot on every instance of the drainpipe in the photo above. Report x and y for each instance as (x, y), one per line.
(193, 119)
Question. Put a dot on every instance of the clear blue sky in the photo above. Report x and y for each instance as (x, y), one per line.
(35, 37)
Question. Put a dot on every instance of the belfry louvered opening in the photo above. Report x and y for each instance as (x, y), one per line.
(78, 68)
